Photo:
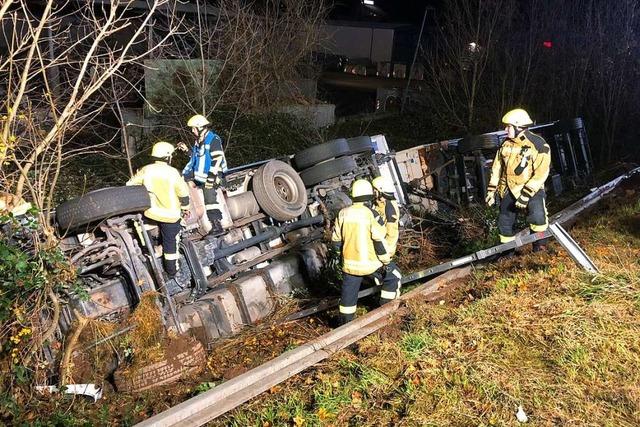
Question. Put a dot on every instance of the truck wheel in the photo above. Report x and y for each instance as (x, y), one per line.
(360, 144)
(335, 148)
(320, 153)
(567, 125)
(166, 371)
(327, 170)
(279, 190)
(478, 142)
(101, 204)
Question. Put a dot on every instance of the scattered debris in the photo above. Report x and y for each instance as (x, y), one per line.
(521, 415)
(90, 390)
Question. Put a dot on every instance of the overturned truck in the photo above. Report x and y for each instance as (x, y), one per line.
(275, 214)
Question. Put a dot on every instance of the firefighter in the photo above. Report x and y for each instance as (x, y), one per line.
(387, 206)
(169, 196)
(518, 174)
(206, 167)
(359, 234)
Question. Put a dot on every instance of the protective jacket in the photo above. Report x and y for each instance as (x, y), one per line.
(359, 231)
(168, 191)
(207, 160)
(389, 211)
(521, 165)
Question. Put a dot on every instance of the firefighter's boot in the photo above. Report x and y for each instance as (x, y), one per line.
(215, 217)
(346, 318)
(539, 245)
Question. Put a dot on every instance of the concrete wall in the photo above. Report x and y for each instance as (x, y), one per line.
(359, 42)
(305, 88)
(321, 115)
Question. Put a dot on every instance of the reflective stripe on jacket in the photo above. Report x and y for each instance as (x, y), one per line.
(360, 231)
(521, 165)
(167, 189)
(207, 159)
(389, 211)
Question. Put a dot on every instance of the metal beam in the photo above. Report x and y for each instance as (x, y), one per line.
(205, 407)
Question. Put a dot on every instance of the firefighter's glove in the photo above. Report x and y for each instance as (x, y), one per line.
(490, 200)
(522, 202)
(334, 257)
(335, 262)
(182, 147)
(384, 270)
(384, 259)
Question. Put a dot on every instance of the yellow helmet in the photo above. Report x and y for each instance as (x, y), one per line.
(383, 185)
(198, 121)
(361, 190)
(518, 118)
(162, 149)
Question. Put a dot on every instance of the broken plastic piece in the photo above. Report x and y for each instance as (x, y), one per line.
(90, 390)
(521, 415)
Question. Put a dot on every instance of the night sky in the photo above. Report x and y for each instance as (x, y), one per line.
(397, 11)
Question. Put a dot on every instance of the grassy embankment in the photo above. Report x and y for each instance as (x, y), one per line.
(535, 331)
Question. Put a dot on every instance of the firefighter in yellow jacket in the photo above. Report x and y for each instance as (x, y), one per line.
(169, 196)
(387, 206)
(518, 174)
(359, 234)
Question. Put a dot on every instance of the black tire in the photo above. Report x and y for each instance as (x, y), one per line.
(166, 371)
(336, 148)
(360, 144)
(568, 125)
(327, 170)
(279, 190)
(320, 153)
(101, 204)
(478, 142)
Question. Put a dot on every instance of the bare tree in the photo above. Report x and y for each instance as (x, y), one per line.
(55, 66)
(614, 50)
(489, 58)
(470, 35)
(59, 60)
(242, 57)
(592, 71)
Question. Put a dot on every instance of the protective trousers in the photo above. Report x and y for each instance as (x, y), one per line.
(536, 217)
(214, 213)
(170, 238)
(390, 278)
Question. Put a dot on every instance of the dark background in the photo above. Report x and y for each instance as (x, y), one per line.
(400, 11)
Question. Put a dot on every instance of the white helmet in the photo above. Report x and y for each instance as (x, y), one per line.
(361, 190)
(518, 118)
(162, 150)
(383, 185)
(198, 121)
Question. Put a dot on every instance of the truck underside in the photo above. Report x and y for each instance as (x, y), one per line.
(275, 215)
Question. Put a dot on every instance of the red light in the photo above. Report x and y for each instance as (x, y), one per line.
(547, 44)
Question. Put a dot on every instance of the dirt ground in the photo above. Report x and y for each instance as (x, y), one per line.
(257, 345)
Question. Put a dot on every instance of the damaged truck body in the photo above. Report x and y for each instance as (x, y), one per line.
(275, 214)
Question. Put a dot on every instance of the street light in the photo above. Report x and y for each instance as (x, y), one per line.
(368, 2)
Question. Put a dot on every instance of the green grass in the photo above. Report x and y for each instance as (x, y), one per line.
(543, 334)
(535, 331)
(415, 345)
